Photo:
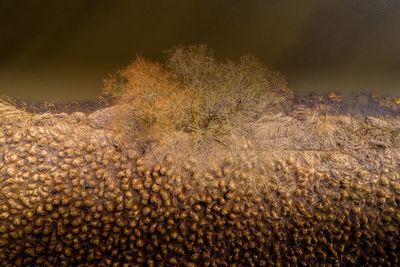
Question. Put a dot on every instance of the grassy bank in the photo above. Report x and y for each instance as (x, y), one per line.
(198, 163)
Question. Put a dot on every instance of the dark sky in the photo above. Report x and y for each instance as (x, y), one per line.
(62, 49)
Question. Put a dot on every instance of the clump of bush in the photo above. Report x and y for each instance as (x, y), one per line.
(149, 97)
(194, 93)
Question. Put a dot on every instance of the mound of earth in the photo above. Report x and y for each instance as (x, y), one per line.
(295, 188)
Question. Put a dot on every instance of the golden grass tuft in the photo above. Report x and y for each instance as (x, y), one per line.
(9, 112)
(324, 127)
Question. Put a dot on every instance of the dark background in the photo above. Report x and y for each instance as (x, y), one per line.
(61, 50)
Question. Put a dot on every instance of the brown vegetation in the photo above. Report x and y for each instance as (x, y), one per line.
(196, 94)
(127, 186)
(150, 99)
(72, 195)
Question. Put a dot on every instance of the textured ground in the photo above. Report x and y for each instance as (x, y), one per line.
(294, 190)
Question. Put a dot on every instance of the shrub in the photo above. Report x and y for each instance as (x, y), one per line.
(149, 98)
(229, 89)
(195, 93)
